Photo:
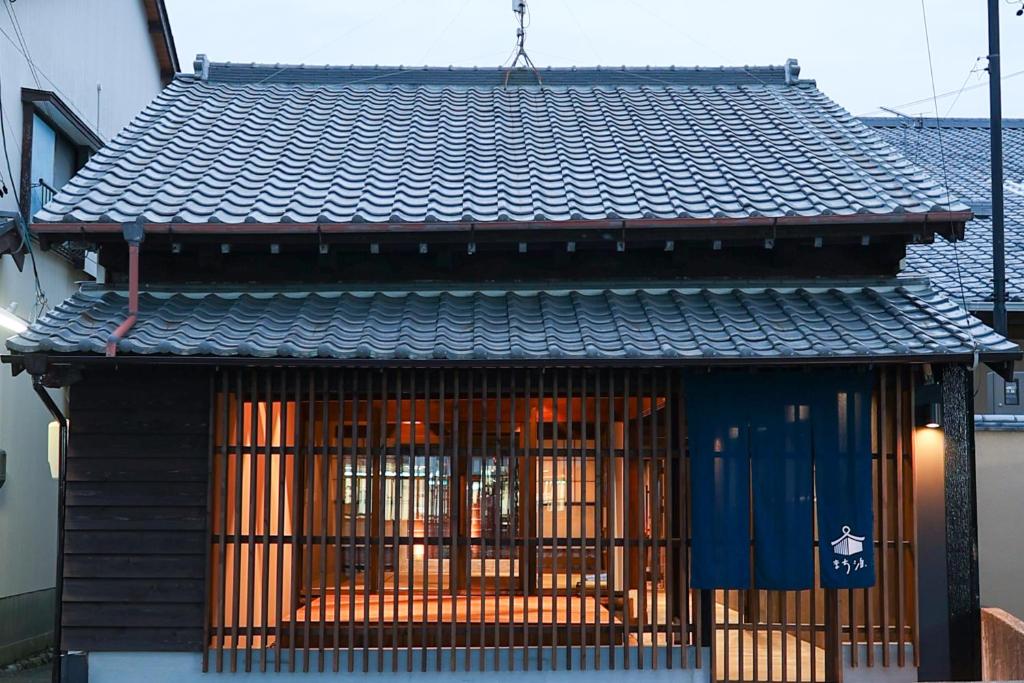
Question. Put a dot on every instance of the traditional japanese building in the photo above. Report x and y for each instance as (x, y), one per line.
(956, 151)
(414, 371)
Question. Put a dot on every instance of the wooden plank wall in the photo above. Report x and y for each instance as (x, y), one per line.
(135, 537)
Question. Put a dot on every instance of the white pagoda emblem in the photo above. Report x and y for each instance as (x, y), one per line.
(848, 544)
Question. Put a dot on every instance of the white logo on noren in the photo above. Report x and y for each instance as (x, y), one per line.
(848, 544)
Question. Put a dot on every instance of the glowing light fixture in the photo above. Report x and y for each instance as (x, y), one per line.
(53, 448)
(11, 321)
(928, 399)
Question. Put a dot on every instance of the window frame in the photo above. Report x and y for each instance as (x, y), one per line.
(49, 107)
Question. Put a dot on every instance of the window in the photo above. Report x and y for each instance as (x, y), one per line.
(530, 519)
(53, 161)
(447, 519)
(56, 144)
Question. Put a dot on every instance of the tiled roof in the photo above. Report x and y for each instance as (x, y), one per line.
(965, 143)
(898, 320)
(999, 423)
(268, 144)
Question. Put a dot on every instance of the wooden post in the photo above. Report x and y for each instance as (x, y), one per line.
(833, 636)
(947, 570)
(963, 593)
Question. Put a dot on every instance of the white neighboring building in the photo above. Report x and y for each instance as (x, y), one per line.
(72, 75)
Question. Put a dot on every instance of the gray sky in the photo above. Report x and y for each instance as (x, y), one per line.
(864, 53)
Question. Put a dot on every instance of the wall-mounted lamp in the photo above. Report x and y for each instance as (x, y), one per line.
(928, 401)
(11, 321)
(53, 449)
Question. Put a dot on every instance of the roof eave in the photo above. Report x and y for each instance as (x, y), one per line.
(40, 359)
(947, 223)
(163, 39)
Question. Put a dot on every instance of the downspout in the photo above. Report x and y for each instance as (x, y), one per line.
(37, 385)
(134, 234)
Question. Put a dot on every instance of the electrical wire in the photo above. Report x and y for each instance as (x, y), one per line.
(26, 238)
(973, 70)
(21, 39)
(680, 31)
(579, 27)
(443, 31)
(56, 88)
(945, 173)
(334, 38)
(948, 93)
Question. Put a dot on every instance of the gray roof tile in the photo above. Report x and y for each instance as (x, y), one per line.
(757, 324)
(965, 146)
(294, 144)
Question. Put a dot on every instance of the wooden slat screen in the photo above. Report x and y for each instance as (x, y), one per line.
(473, 520)
(443, 520)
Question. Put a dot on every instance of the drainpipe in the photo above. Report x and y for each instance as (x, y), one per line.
(37, 385)
(134, 234)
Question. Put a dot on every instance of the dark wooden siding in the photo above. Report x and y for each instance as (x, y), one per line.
(135, 538)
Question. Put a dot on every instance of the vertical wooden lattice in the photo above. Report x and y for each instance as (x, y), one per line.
(763, 635)
(429, 520)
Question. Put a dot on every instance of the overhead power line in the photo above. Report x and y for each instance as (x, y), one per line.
(950, 93)
(945, 174)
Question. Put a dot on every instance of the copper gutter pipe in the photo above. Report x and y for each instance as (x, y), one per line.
(134, 233)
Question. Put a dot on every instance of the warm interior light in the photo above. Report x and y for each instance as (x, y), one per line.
(11, 321)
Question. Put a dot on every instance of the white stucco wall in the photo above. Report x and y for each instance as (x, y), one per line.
(1000, 461)
(75, 45)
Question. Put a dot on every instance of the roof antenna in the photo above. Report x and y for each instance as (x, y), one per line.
(521, 11)
(917, 121)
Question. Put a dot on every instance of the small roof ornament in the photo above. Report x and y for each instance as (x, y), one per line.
(792, 71)
(201, 66)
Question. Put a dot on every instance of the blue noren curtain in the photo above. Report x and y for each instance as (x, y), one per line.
(842, 462)
(720, 484)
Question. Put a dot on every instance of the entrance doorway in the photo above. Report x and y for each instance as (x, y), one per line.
(810, 635)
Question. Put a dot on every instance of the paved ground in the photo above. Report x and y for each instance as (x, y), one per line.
(37, 675)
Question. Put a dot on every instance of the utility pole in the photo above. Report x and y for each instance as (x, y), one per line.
(996, 132)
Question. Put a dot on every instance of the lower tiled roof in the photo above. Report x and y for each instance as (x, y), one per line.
(999, 423)
(902, 319)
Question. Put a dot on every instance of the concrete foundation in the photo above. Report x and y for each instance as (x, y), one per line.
(862, 673)
(125, 667)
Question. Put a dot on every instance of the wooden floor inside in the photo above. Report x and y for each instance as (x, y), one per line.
(503, 609)
(778, 657)
(421, 619)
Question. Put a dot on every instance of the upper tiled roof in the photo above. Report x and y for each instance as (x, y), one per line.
(965, 143)
(757, 324)
(268, 144)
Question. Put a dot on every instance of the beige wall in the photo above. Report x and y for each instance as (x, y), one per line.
(75, 46)
(1000, 458)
